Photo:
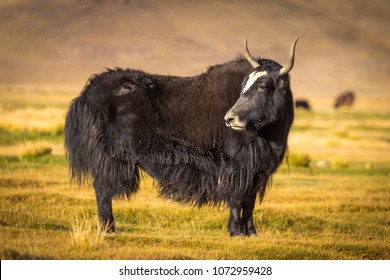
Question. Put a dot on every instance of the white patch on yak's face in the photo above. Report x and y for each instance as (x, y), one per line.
(252, 78)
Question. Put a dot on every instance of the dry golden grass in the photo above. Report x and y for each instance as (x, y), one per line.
(85, 235)
(42, 120)
(330, 215)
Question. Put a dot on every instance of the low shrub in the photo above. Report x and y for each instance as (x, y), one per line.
(298, 160)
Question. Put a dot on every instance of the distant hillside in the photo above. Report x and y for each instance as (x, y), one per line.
(343, 44)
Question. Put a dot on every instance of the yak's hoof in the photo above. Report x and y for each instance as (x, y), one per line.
(243, 232)
(237, 232)
(234, 235)
(111, 231)
(251, 233)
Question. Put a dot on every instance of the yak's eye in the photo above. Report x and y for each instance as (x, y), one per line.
(261, 86)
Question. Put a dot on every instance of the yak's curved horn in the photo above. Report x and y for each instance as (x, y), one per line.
(290, 63)
(248, 56)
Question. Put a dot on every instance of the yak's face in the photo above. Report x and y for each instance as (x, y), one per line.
(265, 96)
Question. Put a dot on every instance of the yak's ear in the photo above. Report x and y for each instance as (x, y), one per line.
(123, 90)
(281, 83)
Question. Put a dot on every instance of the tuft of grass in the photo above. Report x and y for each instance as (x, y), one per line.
(35, 150)
(299, 160)
(86, 235)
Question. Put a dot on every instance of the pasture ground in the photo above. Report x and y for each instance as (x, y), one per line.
(337, 208)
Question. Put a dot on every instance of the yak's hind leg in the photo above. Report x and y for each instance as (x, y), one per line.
(104, 203)
(105, 190)
(247, 216)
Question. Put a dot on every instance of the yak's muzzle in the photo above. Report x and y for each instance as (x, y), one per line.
(233, 121)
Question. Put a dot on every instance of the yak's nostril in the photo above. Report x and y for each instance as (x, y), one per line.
(228, 120)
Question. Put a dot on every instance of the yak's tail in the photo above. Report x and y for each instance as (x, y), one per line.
(92, 152)
(78, 129)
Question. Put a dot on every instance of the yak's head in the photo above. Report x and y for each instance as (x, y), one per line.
(265, 97)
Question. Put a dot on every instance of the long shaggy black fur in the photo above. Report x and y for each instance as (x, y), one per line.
(173, 128)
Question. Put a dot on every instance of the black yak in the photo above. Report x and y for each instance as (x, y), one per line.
(212, 138)
(344, 100)
(302, 104)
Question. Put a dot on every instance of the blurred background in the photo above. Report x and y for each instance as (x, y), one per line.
(344, 45)
(50, 48)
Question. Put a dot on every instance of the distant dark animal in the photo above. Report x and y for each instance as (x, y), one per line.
(302, 104)
(344, 100)
(208, 139)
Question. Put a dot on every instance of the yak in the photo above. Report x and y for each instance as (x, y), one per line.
(211, 139)
(345, 99)
(302, 104)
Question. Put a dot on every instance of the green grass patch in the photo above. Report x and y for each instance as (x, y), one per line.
(17, 164)
(16, 137)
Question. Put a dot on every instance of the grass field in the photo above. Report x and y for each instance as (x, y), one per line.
(336, 208)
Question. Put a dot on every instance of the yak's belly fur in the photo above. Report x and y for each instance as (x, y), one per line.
(183, 173)
(184, 183)
(191, 174)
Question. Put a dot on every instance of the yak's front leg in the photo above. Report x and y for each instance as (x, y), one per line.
(235, 226)
(104, 203)
(247, 216)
